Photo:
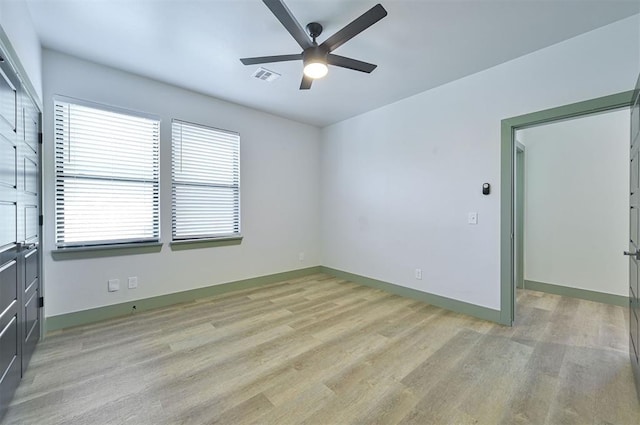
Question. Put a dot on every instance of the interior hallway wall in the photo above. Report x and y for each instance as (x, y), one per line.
(577, 203)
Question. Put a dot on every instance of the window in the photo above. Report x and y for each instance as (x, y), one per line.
(107, 176)
(206, 182)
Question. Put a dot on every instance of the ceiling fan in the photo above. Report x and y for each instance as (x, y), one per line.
(316, 57)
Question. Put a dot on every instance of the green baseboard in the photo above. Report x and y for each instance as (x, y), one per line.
(93, 315)
(443, 302)
(84, 317)
(583, 294)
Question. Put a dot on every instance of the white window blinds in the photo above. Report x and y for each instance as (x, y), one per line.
(107, 176)
(206, 182)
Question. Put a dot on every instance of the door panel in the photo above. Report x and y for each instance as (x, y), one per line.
(8, 286)
(634, 239)
(31, 266)
(633, 279)
(28, 207)
(633, 226)
(8, 335)
(31, 306)
(10, 348)
(30, 176)
(633, 330)
(10, 294)
(31, 322)
(635, 116)
(8, 182)
(30, 222)
(8, 104)
(31, 128)
(7, 163)
(8, 226)
(9, 359)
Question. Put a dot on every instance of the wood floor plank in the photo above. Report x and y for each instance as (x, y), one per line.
(612, 402)
(243, 413)
(305, 404)
(390, 409)
(446, 388)
(494, 388)
(322, 350)
(575, 399)
(330, 357)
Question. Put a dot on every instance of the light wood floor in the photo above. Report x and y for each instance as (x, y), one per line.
(318, 350)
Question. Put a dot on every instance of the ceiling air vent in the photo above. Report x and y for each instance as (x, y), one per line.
(265, 75)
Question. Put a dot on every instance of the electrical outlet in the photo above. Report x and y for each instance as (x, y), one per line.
(301, 256)
(419, 274)
(133, 282)
(114, 285)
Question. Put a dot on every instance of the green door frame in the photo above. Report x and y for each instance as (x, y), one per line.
(509, 126)
(519, 214)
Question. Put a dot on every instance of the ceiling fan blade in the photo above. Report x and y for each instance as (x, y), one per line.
(284, 15)
(349, 63)
(267, 59)
(358, 25)
(306, 83)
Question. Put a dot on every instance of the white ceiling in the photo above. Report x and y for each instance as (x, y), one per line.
(196, 44)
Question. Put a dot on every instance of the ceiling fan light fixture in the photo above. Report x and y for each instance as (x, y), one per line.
(316, 69)
(314, 59)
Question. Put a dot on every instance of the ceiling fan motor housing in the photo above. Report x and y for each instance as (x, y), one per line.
(314, 54)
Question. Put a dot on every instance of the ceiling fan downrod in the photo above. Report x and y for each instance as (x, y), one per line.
(314, 29)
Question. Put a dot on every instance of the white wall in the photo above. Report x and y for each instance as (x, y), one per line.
(16, 22)
(280, 192)
(398, 182)
(577, 203)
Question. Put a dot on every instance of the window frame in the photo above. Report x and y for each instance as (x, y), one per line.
(156, 190)
(205, 239)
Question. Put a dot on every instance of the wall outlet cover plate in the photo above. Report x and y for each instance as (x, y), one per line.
(114, 285)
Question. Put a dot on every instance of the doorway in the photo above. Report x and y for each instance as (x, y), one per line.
(569, 233)
(509, 126)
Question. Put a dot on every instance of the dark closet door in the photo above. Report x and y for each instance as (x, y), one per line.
(28, 227)
(20, 201)
(10, 288)
(634, 239)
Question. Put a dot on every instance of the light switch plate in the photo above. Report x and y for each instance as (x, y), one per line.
(133, 282)
(473, 218)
